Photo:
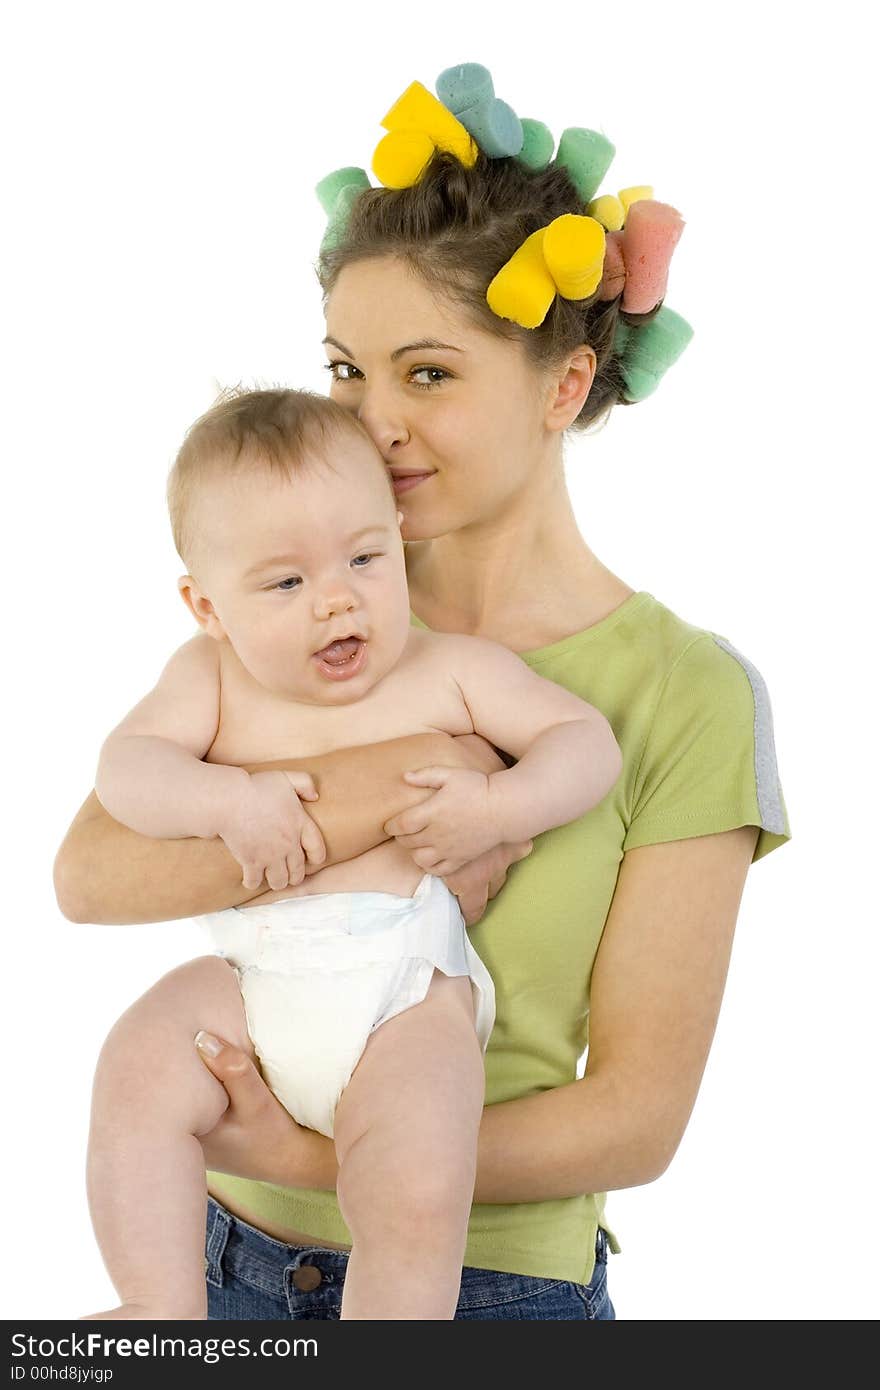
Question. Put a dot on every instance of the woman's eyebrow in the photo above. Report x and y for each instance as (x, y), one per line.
(423, 345)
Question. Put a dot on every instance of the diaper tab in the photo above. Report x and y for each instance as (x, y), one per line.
(233, 936)
(376, 912)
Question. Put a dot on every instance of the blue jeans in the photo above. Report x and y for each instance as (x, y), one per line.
(252, 1277)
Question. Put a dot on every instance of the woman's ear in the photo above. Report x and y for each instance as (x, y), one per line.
(201, 607)
(570, 388)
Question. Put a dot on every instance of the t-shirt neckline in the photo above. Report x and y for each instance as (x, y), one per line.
(599, 629)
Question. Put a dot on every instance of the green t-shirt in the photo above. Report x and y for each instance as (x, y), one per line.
(693, 721)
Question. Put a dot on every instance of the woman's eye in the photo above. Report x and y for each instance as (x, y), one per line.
(344, 371)
(336, 367)
(426, 385)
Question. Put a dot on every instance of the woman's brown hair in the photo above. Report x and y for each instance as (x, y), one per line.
(456, 227)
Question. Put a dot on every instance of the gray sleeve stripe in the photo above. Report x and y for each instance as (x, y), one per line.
(766, 773)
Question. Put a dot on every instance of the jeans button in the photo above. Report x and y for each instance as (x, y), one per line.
(306, 1278)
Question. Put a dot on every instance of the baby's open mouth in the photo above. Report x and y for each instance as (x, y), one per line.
(339, 652)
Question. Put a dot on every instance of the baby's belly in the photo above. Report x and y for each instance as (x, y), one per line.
(387, 868)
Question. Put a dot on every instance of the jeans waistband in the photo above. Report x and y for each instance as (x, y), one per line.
(239, 1249)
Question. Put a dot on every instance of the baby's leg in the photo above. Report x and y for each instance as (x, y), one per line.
(406, 1139)
(152, 1097)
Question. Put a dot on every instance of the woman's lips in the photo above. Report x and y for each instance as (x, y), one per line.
(404, 482)
(345, 670)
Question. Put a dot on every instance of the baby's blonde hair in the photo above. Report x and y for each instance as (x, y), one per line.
(281, 430)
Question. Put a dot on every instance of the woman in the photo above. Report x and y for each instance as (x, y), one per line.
(625, 917)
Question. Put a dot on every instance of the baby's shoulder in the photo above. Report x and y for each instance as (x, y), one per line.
(429, 651)
(204, 648)
(461, 651)
(195, 661)
(462, 662)
(449, 652)
(429, 643)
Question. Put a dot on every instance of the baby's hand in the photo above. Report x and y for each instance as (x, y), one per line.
(267, 830)
(452, 827)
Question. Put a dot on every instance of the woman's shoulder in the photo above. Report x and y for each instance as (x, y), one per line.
(639, 645)
(708, 754)
(698, 660)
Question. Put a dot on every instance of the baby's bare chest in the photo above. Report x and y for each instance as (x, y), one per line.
(419, 695)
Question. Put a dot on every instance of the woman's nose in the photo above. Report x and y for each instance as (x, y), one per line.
(381, 418)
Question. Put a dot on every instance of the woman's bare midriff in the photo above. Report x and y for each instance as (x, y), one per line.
(276, 1229)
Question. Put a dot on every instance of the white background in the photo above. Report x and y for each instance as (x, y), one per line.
(160, 233)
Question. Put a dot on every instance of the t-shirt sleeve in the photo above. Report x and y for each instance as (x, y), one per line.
(709, 760)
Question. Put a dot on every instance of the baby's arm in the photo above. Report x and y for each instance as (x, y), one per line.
(568, 761)
(108, 874)
(568, 756)
(151, 777)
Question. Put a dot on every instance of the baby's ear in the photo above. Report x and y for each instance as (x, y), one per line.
(200, 606)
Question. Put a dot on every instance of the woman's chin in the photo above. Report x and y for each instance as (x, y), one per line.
(423, 529)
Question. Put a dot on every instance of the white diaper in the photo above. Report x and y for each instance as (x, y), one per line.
(318, 974)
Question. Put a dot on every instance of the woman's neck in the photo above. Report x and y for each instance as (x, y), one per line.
(525, 578)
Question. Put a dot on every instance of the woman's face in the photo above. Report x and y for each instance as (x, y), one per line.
(444, 401)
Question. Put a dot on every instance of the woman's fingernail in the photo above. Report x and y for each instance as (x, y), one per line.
(206, 1042)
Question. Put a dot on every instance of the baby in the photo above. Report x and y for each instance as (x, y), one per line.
(285, 517)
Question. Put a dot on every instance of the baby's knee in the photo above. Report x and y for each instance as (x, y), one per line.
(196, 982)
(414, 1194)
(153, 1032)
(434, 1196)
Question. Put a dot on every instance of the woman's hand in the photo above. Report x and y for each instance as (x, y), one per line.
(256, 1138)
(475, 883)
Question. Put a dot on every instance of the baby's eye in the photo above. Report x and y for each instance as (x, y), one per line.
(283, 586)
(368, 558)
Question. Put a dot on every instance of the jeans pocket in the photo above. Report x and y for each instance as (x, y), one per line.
(594, 1295)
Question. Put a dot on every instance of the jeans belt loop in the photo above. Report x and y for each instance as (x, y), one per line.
(218, 1235)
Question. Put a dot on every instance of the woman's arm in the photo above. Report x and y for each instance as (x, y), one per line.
(106, 873)
(656, 992)
(655, 996)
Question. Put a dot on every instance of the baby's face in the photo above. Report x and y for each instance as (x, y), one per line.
(293, 566)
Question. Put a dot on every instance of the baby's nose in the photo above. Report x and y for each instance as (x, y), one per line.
(340, 599)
